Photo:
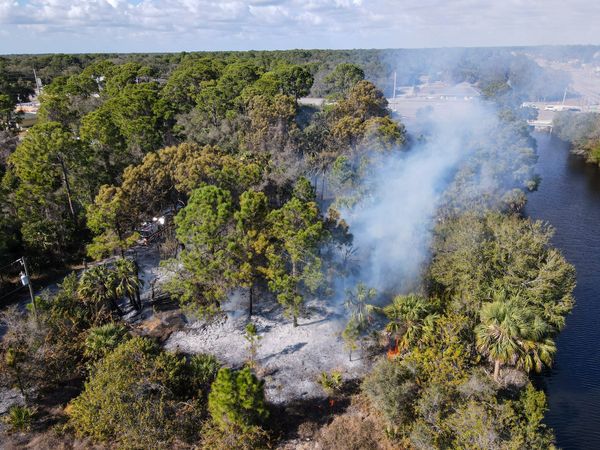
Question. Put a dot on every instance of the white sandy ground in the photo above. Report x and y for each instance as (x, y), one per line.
(290, 359)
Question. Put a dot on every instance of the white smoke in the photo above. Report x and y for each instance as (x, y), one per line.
(392, 226)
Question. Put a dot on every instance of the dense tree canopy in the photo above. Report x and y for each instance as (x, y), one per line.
(474, 257)
(343, 78)
(43, 174)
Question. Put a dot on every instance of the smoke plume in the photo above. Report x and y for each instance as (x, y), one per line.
(392, 225)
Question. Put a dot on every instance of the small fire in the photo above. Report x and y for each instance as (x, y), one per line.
(393, 352)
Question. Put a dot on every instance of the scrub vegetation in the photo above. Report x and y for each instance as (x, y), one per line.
(260, 193)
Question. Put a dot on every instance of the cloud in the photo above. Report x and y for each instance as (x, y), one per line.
(146, 25)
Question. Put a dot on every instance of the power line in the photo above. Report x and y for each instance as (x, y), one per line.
(11, 292)
(10, 264)
(14, 290)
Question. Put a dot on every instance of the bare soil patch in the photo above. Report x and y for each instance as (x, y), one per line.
(290, 359)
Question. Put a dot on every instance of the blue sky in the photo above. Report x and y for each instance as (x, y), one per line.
(40, 26)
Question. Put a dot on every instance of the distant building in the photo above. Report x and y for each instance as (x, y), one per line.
(461, 91)
(440, 91)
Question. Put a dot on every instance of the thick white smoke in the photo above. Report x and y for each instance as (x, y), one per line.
(392, 226)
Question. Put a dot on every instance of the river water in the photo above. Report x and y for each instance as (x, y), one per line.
(569, 199)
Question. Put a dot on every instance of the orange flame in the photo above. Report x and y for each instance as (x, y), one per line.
(393, 352)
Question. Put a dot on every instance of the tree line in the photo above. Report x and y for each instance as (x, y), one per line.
(582, 131)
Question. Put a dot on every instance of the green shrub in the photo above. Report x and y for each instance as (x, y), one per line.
(131, 399)
(43, 353)
(331, 382)
(20, 418)
(392, 388)
(203, 371)
(103, 340)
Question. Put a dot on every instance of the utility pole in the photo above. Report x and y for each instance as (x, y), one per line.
(26, 281)
(38, 83)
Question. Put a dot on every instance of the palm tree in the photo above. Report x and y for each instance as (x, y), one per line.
(499, 332)
(128, 282)
(103, 339)
(357, 304)
(407, 315)
(538, 348)
(97, 286)
(511, 333)
(537, 353)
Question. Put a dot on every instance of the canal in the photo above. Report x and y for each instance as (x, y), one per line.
(569, 199)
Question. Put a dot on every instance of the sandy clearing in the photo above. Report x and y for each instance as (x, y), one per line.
(289, 358)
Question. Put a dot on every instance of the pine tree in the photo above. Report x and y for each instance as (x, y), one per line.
(237, 399)
(294, 265)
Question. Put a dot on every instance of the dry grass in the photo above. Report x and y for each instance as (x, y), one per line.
(353, 432)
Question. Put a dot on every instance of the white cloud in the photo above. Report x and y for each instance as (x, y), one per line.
(146, 25)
